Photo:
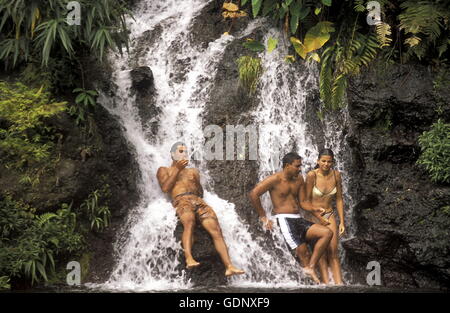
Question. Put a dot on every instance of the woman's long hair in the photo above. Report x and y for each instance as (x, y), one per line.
(323, 152)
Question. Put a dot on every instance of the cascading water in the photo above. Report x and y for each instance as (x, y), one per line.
(147, 252)
(282, 121)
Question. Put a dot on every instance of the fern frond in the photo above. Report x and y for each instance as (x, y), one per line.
(421, 17)
(383, 32)
(338, 92)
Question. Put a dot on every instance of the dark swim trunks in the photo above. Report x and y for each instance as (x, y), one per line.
(293, 228)
(190, 202)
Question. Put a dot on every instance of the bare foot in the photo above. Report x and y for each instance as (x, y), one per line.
(191, 263)
(231, 270)
(312, 274)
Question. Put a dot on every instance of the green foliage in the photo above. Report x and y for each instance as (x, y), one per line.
(4, 282)
(254, 46)
(408, 29)
(342, 60)
(425, 23)
(29, 242)
(98, 215)
(435, 152)
(40, 27)
(26, 139)
(85, 101)
(250, 70)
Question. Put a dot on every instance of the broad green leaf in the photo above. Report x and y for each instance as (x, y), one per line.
(255, 46)
(80, 97)
(315, 57)
(317, 36)
(271, 44)
(299, 47)
(243, 2)
(295, 9)
(269, 6)
(304, 12)
(256, 6)
(327, 2)
(294, 23)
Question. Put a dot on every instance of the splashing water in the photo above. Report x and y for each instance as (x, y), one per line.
(147, 252)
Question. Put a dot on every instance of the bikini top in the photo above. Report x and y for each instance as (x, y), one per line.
(316, 191)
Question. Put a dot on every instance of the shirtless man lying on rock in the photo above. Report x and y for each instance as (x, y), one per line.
(186, 192)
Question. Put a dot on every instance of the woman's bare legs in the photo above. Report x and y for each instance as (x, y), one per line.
(322, 236)
(323, 261)
(333, 253)
(323, 267)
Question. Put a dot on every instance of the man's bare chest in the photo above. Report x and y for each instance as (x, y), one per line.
(287, 189)
(187, 174)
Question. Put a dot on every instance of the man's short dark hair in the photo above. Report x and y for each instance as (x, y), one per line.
(175, 146)
(290, 157)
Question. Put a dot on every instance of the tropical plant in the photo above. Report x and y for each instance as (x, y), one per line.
(337, 34)
(250, 70)
(85, 101)
(435, 151)
(4, 282)
(26, 138)
(98, 215)
(29, 242)
(40, 27)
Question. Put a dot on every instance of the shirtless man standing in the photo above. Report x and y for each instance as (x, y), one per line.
(183, 185)
(287, 191)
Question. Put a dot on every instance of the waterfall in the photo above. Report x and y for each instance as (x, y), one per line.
(146, 250)
(283, 123)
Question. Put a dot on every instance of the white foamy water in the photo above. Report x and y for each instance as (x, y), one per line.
(282, 120)
(146, 250)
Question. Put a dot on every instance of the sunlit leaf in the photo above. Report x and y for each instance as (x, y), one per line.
(299, 47)
(289, 59)
(230, 7)
(271, 44)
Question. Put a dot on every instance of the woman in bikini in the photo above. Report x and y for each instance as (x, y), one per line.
(323, 185)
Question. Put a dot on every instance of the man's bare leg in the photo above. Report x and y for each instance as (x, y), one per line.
(188, 221)
(323, 236)
(212, 227)
(303, 254)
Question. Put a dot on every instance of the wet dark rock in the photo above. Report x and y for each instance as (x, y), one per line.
(142, 80)
(144, 88)
(402, 217)
(210, 272)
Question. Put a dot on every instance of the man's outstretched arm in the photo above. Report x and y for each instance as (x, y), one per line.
(255, 195)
